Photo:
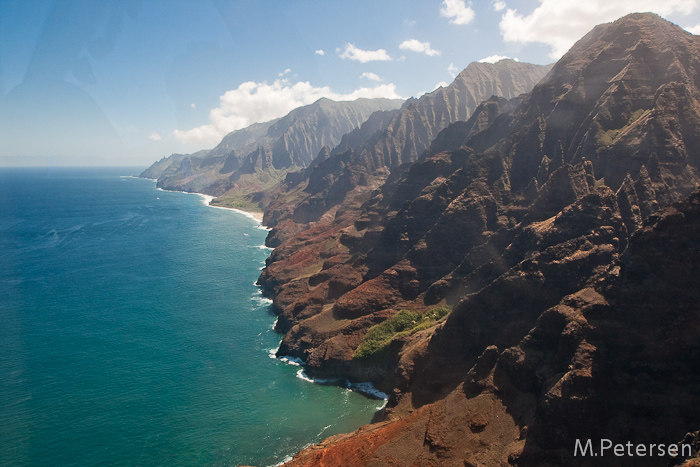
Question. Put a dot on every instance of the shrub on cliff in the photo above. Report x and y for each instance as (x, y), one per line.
(404, 323)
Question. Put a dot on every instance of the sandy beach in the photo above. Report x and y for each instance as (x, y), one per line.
(258, 216)
(207, 199)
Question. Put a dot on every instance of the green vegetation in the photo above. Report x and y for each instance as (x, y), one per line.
(609, 136)
(241, 196)
(237, 200)
(404, 323)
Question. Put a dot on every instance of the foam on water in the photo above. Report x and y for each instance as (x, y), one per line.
(294, 361)
(272, 353)
(301, 374)
(206, 199)
(369, 389)
(249, 215)
(286, 459)
(365, 388)
(261, 301)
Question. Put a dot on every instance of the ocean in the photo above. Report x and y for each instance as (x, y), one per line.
(131, 331)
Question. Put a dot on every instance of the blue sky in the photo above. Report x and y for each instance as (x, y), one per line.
(126, 82)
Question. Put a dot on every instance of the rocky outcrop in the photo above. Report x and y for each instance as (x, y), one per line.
(574, 299)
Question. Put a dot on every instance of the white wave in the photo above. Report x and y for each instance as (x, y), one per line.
(302, 375)
(274, 325)
(294, 361)
(258, 295)
(262, 302)
(286, 459)
(369, 390)
(264, 247)
(251, 215)
(272, 353)
(324, 429)
(206, 199)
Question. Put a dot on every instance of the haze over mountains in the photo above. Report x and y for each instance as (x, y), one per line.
(560, 229)
(277, 145)
(251, 160)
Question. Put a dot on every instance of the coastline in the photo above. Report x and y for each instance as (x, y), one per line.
(258, 216)
(207, 199)
(365, 388)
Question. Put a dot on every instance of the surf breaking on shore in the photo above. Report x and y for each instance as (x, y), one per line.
(207, 199)
(257, 216)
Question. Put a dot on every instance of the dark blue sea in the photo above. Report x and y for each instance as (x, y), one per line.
(131, 331)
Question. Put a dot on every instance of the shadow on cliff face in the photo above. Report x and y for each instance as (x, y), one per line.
(613, 358)
(544, 263)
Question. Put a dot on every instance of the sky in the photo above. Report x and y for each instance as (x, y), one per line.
(127, 82)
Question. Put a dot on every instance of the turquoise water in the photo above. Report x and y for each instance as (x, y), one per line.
(131, 332)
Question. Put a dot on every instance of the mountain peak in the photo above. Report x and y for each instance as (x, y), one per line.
(628, 38)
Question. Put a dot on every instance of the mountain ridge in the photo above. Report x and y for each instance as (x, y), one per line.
(538, 222)
(387, 141)
(275, 146)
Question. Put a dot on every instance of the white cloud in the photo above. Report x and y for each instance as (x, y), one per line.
(410, 22)
(457, 11)
(193, 105)
(495, 58)
(154, 136)
(371, 76)
(281, 74)
(560, 23)
(417, 46)
(694, 29)
(260, 102)
(320, 52)
(499, 5)
(441, 84)
(453, 70)
(363, 56)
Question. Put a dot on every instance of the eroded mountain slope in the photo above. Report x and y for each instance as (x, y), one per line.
(575, 305)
